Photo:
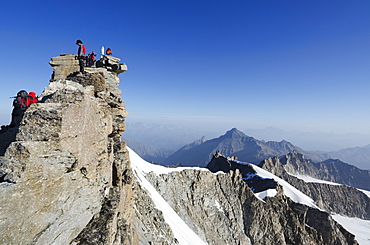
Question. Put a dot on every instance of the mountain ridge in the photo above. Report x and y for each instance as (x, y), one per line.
(358, 156)
(234, 143)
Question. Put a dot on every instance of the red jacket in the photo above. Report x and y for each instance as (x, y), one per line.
(32, 98)
(81, 50)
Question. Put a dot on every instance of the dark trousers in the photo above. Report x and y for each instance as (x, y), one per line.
(81, 61)
(17, 115)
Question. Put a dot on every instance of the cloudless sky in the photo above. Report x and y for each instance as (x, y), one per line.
(296, 65)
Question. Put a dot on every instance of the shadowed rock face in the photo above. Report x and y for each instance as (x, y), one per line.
(331, 170)
(66, 173)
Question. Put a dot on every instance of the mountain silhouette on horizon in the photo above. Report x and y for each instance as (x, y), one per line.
(234, 143)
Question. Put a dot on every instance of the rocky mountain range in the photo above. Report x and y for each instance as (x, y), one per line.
(359, 156)
(222, 209)
(174, 138)
(234, 143)
(330, 170)
(66, 178)
(343, 199)
(340, 199)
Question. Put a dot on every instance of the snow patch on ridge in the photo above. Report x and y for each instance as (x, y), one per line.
(267, 193)
(147, 167)
(290, 191)
(309, 179)
(218, 206)
(367, 193)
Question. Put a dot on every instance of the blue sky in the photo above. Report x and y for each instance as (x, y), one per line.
(294, 65)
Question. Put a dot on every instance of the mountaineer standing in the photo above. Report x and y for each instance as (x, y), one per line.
(81, 52)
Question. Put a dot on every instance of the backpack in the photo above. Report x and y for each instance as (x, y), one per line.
(21, 99)
(32, 98)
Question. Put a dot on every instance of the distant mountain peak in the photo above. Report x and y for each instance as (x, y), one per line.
(203, 139)
(235, 133)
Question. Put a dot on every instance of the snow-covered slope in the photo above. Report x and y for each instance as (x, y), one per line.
(359, 227)
(309, 179)
(289, 190)
(181, 231)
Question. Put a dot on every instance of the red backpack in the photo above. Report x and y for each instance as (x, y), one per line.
(32, 98)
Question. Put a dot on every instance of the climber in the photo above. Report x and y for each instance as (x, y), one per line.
(20, 104)
(108, 52)
(81, 52)
(91, 59)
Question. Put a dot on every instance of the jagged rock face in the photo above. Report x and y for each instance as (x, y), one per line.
(296, 163)
(67, 172)
(256, 183)
(200, 199)
(222, 209)
(340, 199)
(149, 222)
(331, 170)
(349, 175)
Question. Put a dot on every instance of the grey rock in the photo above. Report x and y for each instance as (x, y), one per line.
(330, 170)
(64, 65)
(222, 209)
(65, 176)
(340, 199)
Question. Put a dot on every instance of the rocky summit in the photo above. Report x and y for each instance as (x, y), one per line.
(66, 178)
(64, 170)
